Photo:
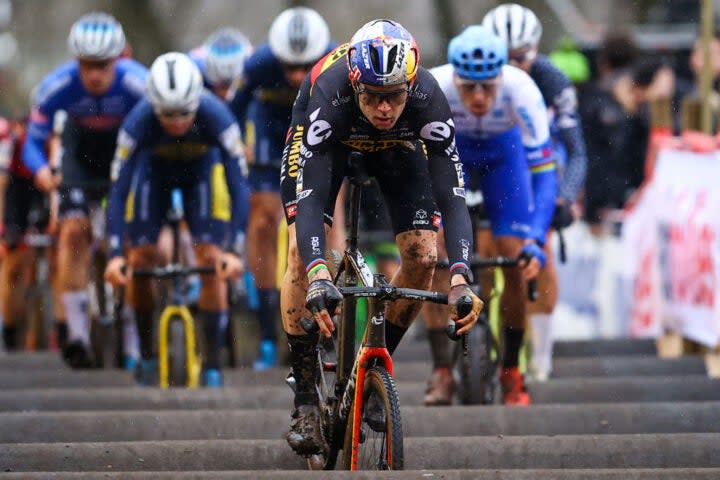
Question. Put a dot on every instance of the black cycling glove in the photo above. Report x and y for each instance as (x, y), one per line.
(323, 295)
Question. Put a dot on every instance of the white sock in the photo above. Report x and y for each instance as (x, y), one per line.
(78, 321)
(131, 341)
(542, 343)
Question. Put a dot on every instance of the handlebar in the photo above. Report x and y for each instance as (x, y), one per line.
(385, 293)
(170, 271)
(493, 262)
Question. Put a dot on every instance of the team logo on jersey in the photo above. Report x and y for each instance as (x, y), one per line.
(319, 130)
(304, 194)
(437, 131)
(421, 218)
(378, 145)
(294, 151)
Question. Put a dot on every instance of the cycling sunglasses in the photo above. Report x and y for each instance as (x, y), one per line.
(305, 67)
(472, 86)
(373, 98)
(175, 114)
(95, 64)
(522, 56)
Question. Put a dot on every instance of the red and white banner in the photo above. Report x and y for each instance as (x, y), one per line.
(671, 244)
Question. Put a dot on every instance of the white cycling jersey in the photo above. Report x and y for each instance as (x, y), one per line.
(519, 103)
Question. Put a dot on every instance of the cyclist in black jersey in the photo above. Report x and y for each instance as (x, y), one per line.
(369, 95)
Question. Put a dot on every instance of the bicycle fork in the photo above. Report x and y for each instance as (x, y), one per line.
(373, 347)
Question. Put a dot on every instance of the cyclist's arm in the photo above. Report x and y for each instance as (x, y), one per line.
(314, 181)
(571, 135)
(532, 117)
(545, 186)
(129, 139)
(236, 178)
(33, 155)
(122, 173)
(446, 173)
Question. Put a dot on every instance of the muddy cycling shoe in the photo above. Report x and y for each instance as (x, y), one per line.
(77, 355)
(513, 387)
(305, 437)
(374, 413)
(441, 387)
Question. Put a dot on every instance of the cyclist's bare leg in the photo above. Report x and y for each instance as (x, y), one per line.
(294, 287)
(74, 276)
(540, 314)
(441, 385)
(336, 236)
(304, 436)
(418, 255)
(212, 304)
(265, 216)
(58, 309)
(485, 247)
(512, 303)
(512, 307)
(15, 281)
(141, 296)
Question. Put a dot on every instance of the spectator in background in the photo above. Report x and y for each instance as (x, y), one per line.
(696, 65)
(604, 109)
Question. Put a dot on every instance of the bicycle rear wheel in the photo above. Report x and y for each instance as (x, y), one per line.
(381, 435)
(477, 370)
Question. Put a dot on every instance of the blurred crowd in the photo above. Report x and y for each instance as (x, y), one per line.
(615, 111)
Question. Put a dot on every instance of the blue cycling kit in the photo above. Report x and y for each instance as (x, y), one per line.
(207, 164)
(63, 90)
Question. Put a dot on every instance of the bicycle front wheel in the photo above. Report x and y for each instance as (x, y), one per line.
(380, 446)
(177, 353)
(478, 382)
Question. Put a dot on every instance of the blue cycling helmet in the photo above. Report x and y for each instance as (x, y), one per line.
(382, 53)
(477, 53)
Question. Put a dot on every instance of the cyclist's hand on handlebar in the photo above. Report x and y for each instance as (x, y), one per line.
(458, 292)
(532, 260)
(322, 298)
(46, 181)
(116, 271)
(230, 266)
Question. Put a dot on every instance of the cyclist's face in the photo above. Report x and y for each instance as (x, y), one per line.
(477, 96)
(523, 58)
(97, 76)
(382, 106)
(226, 90)
(176, 124)
(295, 74)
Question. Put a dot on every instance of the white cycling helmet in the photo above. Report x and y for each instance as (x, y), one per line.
(174, 84)
(96, 36)
(299, 36)
(227, 50)
(515, 24)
